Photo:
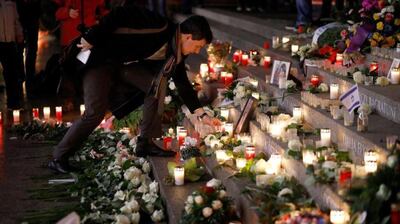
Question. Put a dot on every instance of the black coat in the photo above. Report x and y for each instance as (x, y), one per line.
(133, 34)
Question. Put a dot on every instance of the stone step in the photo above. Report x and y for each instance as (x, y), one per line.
(345, 137)
(384, 100)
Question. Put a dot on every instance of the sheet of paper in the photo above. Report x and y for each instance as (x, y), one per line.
(83, 56)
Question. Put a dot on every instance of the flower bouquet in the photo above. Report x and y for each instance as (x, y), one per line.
(218, 51)
(38, 130)
(209, 205)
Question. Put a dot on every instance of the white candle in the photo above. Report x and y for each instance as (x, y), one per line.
(179, 174)
(203, 70)
(254, 83)
(221, 156)
(276, 161)
(285, 40)
(16, 116)
(308, 157)
(297, 116)
(295, 49)
(325, 137)
(46, 113)
(275, 42)
(370, 161)
(244, 139)
(177, 129)
(334, 91)
(225, 113)
(339, 59)
(82, 109)
(395, 76)
(338, 217)
(255, 95)
(276, 129)
(241, 163)
(228, 127)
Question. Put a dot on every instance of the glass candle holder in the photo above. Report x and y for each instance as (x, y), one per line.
(179, 175)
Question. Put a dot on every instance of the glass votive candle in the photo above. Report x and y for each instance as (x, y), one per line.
(228, 127)
(46, 112)
(334, 91)
(245, 59)
(297, 114)
(336, 112)
(267, 61)
(225, 113)
(179, 175)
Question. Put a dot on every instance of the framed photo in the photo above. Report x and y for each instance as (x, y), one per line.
(279, 68)
(243, 123)
(395, 64)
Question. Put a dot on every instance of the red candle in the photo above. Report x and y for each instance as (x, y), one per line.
(59, 114)
(373, 67)
(395, 214)
(245, 59)
(236, 56)
(267, 61)
(344, 176)
(1, 117)
(315, 80)
(167, 143)
(228, 79)
(35, 113)
(181, 137)
(250, 152)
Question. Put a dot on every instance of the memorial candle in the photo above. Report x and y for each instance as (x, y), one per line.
(275, 41)
(267, 61)
(295, 49)
(16, 116)
(228, 79)
(297, 116)
(82, 108)
(285, 42)
(338, 217)
(46, 113)
(250, 152)
(203, 70)
(325, 137)
(181, 136)
(373, 67)
(167, 142)
(315, 80)
(395, 75)
(245, 59)
(370, 161)
(334, 91)
(276, 162)
(308, 157)
(223, 76)
(59, 113)
(179, 175)
(236, 56)
(35, 113)
(221, 156)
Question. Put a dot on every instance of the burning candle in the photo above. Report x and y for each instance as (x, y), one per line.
(275, 161)
(16, 116)
(285, 42)
(59, 113)
(181, 136)
(82, 108)
(255, 95)
(241, 163)
(345, 176)
(297, 116)
(275, 41)
(267, 61)
(334, 91)
(179, 175)
(228, 127)
(295, 49)
(225, 113)
(315, 80)
(276, 130)
(223, 76)
(167, 142)
(373, 67)
(125, 130)
(221, 156)
(308, 157)
(46, 113)
(395, 75)
(325, 137)
(370, 161)
(228, 79)
(339, 59)
(338, 217)
(35, 113)
(236, 56)
(250, 152)
(245, 59)
(203, 70)
(177, 129)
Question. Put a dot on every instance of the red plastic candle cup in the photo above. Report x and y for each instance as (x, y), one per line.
(59, 113)
(344, 176)
(267, 61)
(245, 59)
(167, 140)
(236, 57)
(315, 80)
(228, 79)
(181, 137)
(250, 152)
(35, 113)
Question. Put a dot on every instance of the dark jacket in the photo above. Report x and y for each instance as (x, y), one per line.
(129, 34)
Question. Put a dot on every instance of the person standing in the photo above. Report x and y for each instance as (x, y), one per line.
(133, 52)
(10, 35)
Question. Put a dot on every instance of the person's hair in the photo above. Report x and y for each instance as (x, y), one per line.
(198, 27)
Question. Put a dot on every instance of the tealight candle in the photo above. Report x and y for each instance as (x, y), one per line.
(245, 59)
(228, 79)
(295, 49)
(373, 67)
(59, 113)
(308, 157)
(276, 161)
(228, 127)
(255, 95)
(16, 116)
(325, 137)
(267, 61)
(46, 112)
(241, 163)
(395, 75)
(221, 156)
(338, 217)
(250, 152)
(339, 59)
(181, 136)
(225, 113)
(275, 41)
(297, 114)
(203, 70)
(334, 91)
(179, 175)
(82, 108)
(35, 113)
(236, 56)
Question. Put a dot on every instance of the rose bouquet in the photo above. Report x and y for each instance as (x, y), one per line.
(209, 205)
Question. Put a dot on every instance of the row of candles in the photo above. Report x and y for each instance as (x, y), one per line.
(46, 113)
(226, 77)
(243, 59)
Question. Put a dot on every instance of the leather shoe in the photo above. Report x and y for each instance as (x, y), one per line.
(145, 148)
(59, 167)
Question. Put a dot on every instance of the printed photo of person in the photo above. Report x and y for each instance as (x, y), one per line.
(280, 68)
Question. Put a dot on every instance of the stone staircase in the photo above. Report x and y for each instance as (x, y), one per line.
(246, 33)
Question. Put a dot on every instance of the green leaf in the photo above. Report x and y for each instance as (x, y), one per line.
(171, 166)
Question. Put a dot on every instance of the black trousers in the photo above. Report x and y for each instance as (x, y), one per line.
(110, 87)
(11, 73)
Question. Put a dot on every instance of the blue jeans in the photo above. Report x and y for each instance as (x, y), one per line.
(304, 12)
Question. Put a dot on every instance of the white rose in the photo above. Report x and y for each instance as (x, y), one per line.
(150, 207)
(171, 85)
(221, 194)
(125, 209)
(358, 77)
(198, 199)
(190, 199)
(131, 173)
(216, 204)
(323, 87)
(188, 208)
(382, 81)
(135, 218)
(392, 161)
(294, 144)
(390, 9)
(143, 189)
(153, 187)
(133, 205)
(132, 142)
(207, 140)
(290, 84)
(214, 183)
(120, 195)
(383, 192)
(167, 99)
(150, 198)
(260, 165)
(207, 212)
(146, 167)
(157, 216)
(122, 219)
(135, 181)
(284, 191)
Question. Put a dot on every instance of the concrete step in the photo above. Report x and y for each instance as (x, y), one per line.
(384, 100)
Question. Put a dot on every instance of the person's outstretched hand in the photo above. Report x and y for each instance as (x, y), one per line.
(73, 13)
(84, 45)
